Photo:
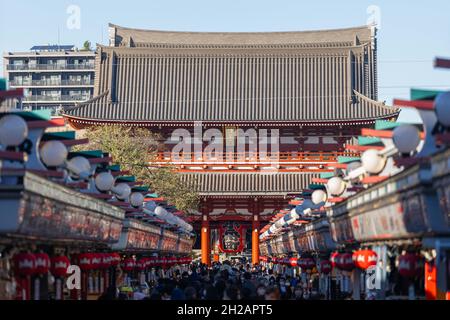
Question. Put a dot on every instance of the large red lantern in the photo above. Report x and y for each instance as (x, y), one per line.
(24, 264)
(59, 266)
(345, 262)
(274, 260)
(293, 262)
(85, 261)
(364, 259)
(42, 263)
(325, 267)
(128, 264)
(407, 265)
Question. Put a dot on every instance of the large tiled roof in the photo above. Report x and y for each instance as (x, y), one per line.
(247, 83)
(248, 183)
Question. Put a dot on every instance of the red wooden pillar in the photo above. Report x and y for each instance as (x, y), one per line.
(255, 239)
(205, 240)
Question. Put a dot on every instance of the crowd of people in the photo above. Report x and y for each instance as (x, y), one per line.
(229, 280)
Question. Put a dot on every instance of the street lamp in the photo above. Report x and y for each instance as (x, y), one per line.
(336, 186)
(104, 181)
(319, 196)
(80, 167)
(406, 138)
(53, 153)
(442, 108)
(122, 191)
(13, 130)
(136, 199)
(372, 161)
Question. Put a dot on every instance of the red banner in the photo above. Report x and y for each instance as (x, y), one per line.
(231, 237)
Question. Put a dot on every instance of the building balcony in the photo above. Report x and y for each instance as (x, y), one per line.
(50, 67)
(51, 83)
(55, 99)
(295, 160)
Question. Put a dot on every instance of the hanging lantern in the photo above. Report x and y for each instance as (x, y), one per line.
(407, 265)
(106, 259)
(114, 259)
(345, 262)
(59, 266)
(309, 263)
(24, 264)
(96, 261)
(128, 264)
(42, 263)
(333, 259)
(85, 261)
(325, 266)
(293, 262)
(364, 259)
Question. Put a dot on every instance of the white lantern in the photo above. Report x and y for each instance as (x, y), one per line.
(122, 191)
(104, 181)
(136, 199)
(161, 213)
(442, 108)
(79, 165)
(372, 162)
(319, 196)
(53, 153)
(13, 130)
(406, 138)
(336, 186)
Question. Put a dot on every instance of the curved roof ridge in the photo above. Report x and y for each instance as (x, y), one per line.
(379, 104)
(361, 27)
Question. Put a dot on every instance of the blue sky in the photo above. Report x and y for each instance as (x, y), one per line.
(411, 33)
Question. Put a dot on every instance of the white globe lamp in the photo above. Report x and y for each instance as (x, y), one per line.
(53, 153)
(406, 138)
(318, 197)
(136, 199)
(372, 162)
(336, 186)
(104, 181)
(442, 108)
(122, 191)
(79, 165)
(13, 130)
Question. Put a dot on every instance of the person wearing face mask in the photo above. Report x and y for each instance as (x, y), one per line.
(260, 292)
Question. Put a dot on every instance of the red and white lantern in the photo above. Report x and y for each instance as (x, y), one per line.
(325, 267)
(24, 268)
(345, 262)
(407, 265)
(59, 267)
(364, 259)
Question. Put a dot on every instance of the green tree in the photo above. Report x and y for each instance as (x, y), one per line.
(134, 149)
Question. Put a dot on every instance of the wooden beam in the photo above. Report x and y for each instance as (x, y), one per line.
(419, 104)
(442, 63)
(388, 134)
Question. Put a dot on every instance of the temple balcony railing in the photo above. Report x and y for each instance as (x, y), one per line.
(294, 158)
(50, 67)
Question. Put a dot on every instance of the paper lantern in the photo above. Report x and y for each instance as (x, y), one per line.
(293, 262)
(85, 261)
(115, 259)
(325, 266)
(96, 261)
(128, 264)
(333, 259)
(42, 263)
(345, 262)
(364, 259)
(59, 266)
(24, 264)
